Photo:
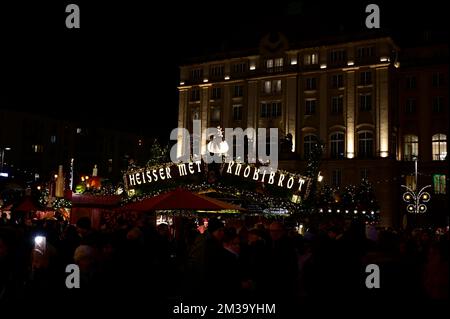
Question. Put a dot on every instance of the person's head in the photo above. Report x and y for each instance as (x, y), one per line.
(231, 240)
(254, 235)
(216, 229)
(276, 230)
(83, 226)
(134, 234)
(84, 257)
(332, 232)
(163, 230)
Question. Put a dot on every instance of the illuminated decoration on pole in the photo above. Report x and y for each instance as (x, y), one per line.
(416, 199)
(218, 147)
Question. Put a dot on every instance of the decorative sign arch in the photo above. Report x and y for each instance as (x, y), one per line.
(296, 183)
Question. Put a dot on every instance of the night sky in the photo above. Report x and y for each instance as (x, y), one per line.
(126, 54)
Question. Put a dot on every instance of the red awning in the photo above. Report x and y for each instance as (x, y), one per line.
(27, 205)
(180, 199)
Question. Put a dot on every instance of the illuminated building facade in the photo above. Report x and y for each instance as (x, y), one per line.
(345, 92)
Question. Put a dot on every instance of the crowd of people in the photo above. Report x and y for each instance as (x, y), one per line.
(229, 261)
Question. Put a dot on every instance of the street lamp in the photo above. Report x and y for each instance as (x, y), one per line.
(416, 200)
(3, 157)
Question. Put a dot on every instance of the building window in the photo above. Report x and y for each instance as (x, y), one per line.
(337, 103)
(337, 145)
(439, 147)
(311, 59)
(438, 104)
(274, 64)
(337, 81)
(364, 52)
(78, 130)
(411, 82)
(336, 176)
(237, 112)
(438, 80)
(216, 93)
(310, 106)
(338, 56)
(270, 109)
(215, 114)
(439, 183)
(238, 91)
(195, 95)
(37, 148)
(267, 87)
(196, 74)
(365, 78)
(311, 84)
(365, 102)
(53, 139)
(216, 71)
(272, 87)
(365, 144)
(277, 86)
(195, 113)
(308, 143)
(411, 147)
(410, 181)
(410, 106)
(239, 67)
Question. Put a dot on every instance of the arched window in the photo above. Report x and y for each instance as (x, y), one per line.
(439, 147)
(365, 144)
(308, 144)
(337, 145)
(411, 147)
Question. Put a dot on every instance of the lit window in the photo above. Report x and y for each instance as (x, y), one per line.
(411, 147)
(439, 147)
(79, 130)
(278, 62)
(269, 63)
(439, 184)
(37, 148)
(53, 139)
(277, 86)
(267, 87)
(310, 59)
